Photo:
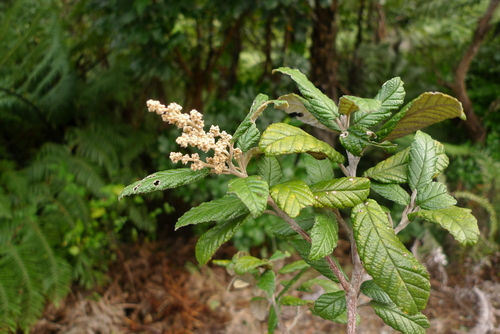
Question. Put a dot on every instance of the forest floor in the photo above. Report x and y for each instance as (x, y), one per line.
(158, 289)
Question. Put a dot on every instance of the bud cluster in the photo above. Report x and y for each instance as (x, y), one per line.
(194, 135)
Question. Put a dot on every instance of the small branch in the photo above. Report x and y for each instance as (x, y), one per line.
(409, 209)
(353, 164)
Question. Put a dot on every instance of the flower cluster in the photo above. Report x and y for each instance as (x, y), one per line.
(193, 134)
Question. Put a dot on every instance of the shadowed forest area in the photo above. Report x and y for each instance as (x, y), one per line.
(75, 130)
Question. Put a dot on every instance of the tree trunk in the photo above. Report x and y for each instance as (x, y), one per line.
(473, 125)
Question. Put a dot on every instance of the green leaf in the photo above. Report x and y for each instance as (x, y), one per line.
(269, 169)
(227, 207)
(422, 161)
(330, 305)
(458, 221)
(357, 138)
(442, 160)
(321, 265)
(322, 107)
(371, 289)
(324, 235)
(340, 193)
(279, 255)
(400, 321)
(248, 138)
(252, 191)
(297, 108)
(434, 196)
(272, 321)
(282, 229)
(294, 301)
(246, 263)
(281, 138)
(391, 95)
(267, 282)
(211, 240)
(259, 104)
(164, 180)
(391, 191)
(387, 260)
(292, 196)
(427, 109)
(318, 170)
(294, 266)
(392, 170)
(349, 104)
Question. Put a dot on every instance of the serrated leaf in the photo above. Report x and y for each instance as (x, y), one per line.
(458, 221)
(252, 191)
(321, 265)
(341, 193)
(392, 191)
(372, 290)
(248, 138)
(357, 138)
(400, 321)
(211, 240)
(269, 169)
(318, 170)
(322, 107)
(422, 161)
(442, 160)
(434, 196)
(259, 104)
(427, 109)
(246, 263)
(387, 260)
(294, 301)
(349, 104)
(267, 282)
(297, 108)
(324, 235)
(292, 196)
(282, 229)
(164, 180)
(281, 138)
(369, 118)
(391, 95)
(392, 170)
(330, 305)
(227, 207)
(294, 266)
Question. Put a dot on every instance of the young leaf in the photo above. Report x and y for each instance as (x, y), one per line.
(458, 221)
(292, 196)
(422, 161)
(324, 235)
(387, 260)
(318, 170)
(282, 229)
(321, 265)
(400, 321)
(211, 240)
(164, 180)
(246, 263)
(340, 193)
(269, 169)
(349, 104)
(372, 290)
(281, 138)
(330, 305)
(227, 207)
(248, 138)
(272, 321)
(434, 196)
(442, 159)
(391, 191)
(357, 138)
(391, 95)
(392, 170)
(294, 301)
(427, 109)
(252, 191)
(259, 104)
(322, 107)
(267, 282)
(297, 108)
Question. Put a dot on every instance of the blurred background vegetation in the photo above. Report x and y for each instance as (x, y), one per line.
(74, 128)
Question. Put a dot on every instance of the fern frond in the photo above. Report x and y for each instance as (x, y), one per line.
(140, 218)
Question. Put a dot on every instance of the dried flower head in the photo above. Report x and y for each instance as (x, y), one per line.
(194, 135)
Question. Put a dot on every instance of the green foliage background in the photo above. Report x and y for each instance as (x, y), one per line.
(74, 78)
